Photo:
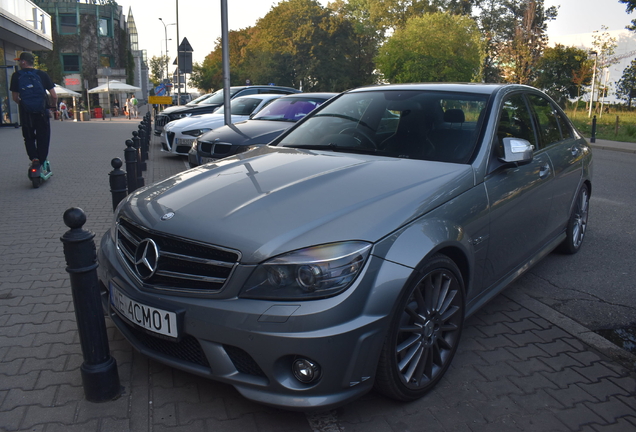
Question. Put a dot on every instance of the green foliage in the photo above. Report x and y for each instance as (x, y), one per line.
(437, 47)
(298, 43)
(157, 66)
(514, 33)
(558, 69)
(627, 83)
(631, 5)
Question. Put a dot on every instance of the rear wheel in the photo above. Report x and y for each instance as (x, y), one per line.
(36, 181)
(424, 333)
(577, 225)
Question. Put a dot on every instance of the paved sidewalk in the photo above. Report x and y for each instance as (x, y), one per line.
(521, 366)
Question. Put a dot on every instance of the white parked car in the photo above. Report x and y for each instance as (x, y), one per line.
(178, 136)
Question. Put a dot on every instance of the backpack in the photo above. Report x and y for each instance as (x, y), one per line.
(134, 101)
(32, 93)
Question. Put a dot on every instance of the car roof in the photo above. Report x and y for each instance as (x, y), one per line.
(324, 95)
(451, 87)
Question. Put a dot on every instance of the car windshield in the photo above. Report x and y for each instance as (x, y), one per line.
(199, 99)
(288, 109)
(414, 124)
(216, 98)
(242, 106)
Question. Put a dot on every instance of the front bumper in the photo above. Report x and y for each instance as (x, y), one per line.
(251, 344)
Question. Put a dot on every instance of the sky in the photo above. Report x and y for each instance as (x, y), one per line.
(200, 23)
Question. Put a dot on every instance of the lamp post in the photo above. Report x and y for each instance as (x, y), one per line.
(165, 30)
(593, 83)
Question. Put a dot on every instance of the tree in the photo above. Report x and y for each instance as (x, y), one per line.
(437, 47)
(514, 33)
(626, 86)
(561, 72)
(631, 5)
(158, 68)
(520, 54)
(301, 44)
(605, 48)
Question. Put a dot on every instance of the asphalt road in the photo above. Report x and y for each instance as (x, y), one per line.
(596, 286)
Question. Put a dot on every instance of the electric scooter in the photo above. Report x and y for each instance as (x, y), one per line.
(39, 173)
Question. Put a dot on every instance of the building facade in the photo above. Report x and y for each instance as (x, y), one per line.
(24, 26)
(91, 44)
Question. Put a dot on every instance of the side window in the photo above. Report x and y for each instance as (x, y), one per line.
(566, 129)
(547, 119)
(246, 92)
(514, 121)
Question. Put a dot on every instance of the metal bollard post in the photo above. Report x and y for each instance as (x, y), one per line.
(117, 178)
(593, 138)
(99, 369)
(142, 145)
(140, 164)
(130, 156)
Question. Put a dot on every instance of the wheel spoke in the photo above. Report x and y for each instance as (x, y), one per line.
(408, 357)
(414, 338)
(414, 364)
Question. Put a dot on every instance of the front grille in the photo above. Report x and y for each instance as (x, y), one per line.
(243, 362)
(215, 148)
(161, 120)
(170, 138)
(181, 265)
(186, 349)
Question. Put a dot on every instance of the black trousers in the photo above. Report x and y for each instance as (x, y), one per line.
(36, 130)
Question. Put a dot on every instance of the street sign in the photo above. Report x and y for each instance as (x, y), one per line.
(160, 100)
(160, 90)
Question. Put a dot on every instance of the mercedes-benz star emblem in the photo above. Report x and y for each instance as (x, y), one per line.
(146, 258)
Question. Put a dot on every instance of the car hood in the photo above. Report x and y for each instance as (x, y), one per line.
(272, 200)
(248, 132)
(201, 121)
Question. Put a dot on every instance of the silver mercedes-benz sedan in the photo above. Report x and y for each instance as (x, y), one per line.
(346, 254)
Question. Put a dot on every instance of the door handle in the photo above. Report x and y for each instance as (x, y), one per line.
(544, 171)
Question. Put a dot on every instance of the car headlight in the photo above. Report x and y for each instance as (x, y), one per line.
(310, 273)
(197, 132)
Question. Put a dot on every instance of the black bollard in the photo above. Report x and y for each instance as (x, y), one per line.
(140, 164)
(140, 161)
(593, 138)
(99, 369)
(142, 145)
(117, 178)
(130, 156)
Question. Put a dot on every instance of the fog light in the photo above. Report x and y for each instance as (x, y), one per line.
(306, 371)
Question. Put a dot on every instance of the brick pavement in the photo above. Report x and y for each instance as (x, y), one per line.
(520, 366)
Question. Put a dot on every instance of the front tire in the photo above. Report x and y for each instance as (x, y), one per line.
(577, 225)
(424, 332)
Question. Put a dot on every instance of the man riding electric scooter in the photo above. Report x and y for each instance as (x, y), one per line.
(28, 89)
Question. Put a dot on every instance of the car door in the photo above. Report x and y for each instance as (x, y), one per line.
(520, 196)
(566, 155)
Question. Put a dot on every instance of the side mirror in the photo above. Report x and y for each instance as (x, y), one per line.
(517, 150)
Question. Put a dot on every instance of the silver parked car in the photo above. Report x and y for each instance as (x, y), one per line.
(347, 253)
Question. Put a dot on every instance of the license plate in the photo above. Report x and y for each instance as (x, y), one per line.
(205, 160)
(185, 142)
(156, 320)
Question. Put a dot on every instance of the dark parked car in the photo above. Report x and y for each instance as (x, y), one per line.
(261, 128)
(347, 253)
(213, 102)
